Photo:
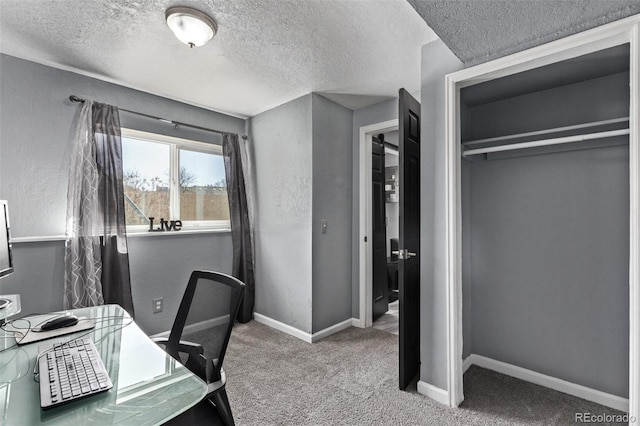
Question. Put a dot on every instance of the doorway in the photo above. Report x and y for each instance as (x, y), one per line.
(367, 134)
(385, 232)
(408, 126)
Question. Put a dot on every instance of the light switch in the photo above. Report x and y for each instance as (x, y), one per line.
(324, 225)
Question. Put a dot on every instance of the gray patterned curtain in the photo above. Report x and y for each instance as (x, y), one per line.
(83, 261)
(237, 170)
(96, 254)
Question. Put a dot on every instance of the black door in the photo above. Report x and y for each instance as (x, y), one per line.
(380, 298)
(409, 244)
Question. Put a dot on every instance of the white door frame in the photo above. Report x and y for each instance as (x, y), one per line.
(364, 212)
(620, 32)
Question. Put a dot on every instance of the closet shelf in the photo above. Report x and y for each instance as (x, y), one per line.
(548, 141)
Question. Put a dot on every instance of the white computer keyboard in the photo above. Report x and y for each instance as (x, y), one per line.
(70, 371)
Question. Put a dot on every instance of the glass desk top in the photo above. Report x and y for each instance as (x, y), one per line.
(13, 309)
(149, 387)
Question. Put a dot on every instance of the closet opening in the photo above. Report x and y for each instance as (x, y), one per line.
(544, 225)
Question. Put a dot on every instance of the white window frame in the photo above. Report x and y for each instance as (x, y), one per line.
(175, 145)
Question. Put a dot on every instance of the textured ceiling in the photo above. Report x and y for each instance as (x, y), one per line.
(266, 52)
(480, 30)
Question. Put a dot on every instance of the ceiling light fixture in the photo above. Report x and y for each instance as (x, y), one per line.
(192, 27)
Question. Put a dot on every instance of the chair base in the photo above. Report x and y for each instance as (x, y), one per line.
(202, 413)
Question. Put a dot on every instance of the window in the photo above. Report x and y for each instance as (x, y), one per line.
(173, 179)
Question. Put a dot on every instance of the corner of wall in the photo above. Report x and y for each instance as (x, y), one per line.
(283, 166)
(437, 62)
(331, 206)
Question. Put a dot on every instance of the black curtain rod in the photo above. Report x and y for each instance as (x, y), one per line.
(74, 98)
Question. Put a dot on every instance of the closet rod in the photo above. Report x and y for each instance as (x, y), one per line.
(547, 131)
(74, 98)
(546, 142)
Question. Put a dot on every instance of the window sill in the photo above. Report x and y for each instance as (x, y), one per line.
(136, 234)
(132, 234)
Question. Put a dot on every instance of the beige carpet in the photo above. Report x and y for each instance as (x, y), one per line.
(350, 378)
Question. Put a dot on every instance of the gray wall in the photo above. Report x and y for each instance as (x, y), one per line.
(303, 155)
(37, 124)
(437, 61)
(332, 194)
(38, 276)
(377, 113)
(283, 165)
(591, 100)
(549, 254)
(161, 266)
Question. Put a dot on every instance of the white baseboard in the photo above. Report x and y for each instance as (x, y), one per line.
(466, 363)
(280, 326)
(580, 391)
(162, 334)
(198, 326)
(302, 335)
(356, 322)
(435, 393)
(331, 330)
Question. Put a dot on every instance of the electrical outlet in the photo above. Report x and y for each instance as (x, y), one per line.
(158, 305)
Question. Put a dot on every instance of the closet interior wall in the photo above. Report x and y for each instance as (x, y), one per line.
(545, 231)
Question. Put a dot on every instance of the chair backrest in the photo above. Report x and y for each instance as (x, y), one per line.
(206, 315)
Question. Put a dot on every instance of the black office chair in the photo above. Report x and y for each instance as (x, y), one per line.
(208, 308)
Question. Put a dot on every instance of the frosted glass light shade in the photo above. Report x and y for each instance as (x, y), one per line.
(191, 26)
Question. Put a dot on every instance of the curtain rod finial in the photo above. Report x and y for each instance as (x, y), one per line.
(245, 137)
(74, 98)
